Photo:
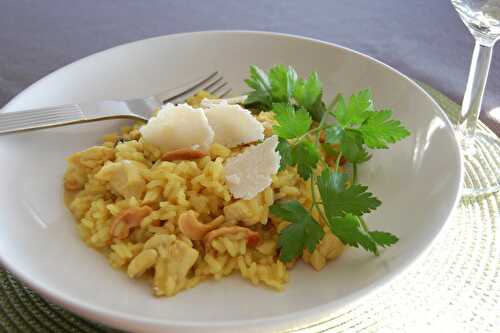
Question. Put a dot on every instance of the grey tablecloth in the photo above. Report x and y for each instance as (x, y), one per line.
(424, 39)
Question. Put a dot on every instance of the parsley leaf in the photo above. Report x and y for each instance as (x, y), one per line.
(383, 238)
(259, 82)
(296, 102)
(307, 92)
(306, 156)
(360, 106)
(350, 231)
(351, 143)
(379, 129)
(292, 124)
(376, 128)
(282, 83)
(339, 200)
(330, 150)
(285, 151)
(334, 134)
(343, 206)
(303, 232)
(317, 110)
(356, 111)
(340, 112)
(351, 146)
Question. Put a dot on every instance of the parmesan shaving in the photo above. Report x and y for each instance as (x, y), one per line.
(250, 172)
(178, 126)
(233, 125)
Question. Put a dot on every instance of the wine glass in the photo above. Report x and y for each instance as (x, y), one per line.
(482, 18)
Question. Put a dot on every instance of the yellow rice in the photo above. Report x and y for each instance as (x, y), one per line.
(156, 249)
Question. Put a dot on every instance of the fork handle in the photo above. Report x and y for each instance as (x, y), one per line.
(61, 115)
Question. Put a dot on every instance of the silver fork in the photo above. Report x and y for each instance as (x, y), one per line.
(137, 108)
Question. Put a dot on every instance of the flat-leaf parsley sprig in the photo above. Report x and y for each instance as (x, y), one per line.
(303, 133)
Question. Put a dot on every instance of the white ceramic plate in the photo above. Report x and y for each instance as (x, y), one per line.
(418, 181)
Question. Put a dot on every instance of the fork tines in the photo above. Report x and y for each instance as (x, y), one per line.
(214, 84)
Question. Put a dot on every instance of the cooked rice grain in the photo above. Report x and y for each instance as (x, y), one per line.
(155, 248)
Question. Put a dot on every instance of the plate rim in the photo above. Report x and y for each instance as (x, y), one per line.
(112, 317)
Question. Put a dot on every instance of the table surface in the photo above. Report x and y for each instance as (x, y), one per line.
(424, 39)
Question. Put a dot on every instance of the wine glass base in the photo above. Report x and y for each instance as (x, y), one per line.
(482, 166)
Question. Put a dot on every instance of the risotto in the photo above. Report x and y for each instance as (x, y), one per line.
(174, 222)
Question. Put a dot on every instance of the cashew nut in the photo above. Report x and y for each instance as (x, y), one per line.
(183, 154)
(126, 220)
(194, 229)
(252, 237)
(72, 185)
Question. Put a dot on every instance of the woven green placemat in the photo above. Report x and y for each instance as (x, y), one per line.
(455, 287)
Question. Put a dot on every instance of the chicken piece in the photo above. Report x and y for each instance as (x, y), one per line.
(82, 164)
(194, 229)
(180, 258)
(159, 240)
(214, 101)
(329, 248)
(125, 177)
(173, 266)
(92, 157)
(75, 178)
(142, 262)
(241, 210)
(268, 121)
(196, 99)
(251, 236)
(252, 211)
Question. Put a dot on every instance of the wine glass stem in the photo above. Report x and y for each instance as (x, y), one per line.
(473, 97)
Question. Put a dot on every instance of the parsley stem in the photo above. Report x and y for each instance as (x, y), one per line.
(317, 129)
(354, 180)
(318, 134)
(337, 163)
(354, 173)
(314, 130)
(320, 127)
(315, 204)
(333, 103)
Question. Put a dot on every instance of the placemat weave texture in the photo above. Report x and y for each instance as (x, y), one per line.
(454, 287)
